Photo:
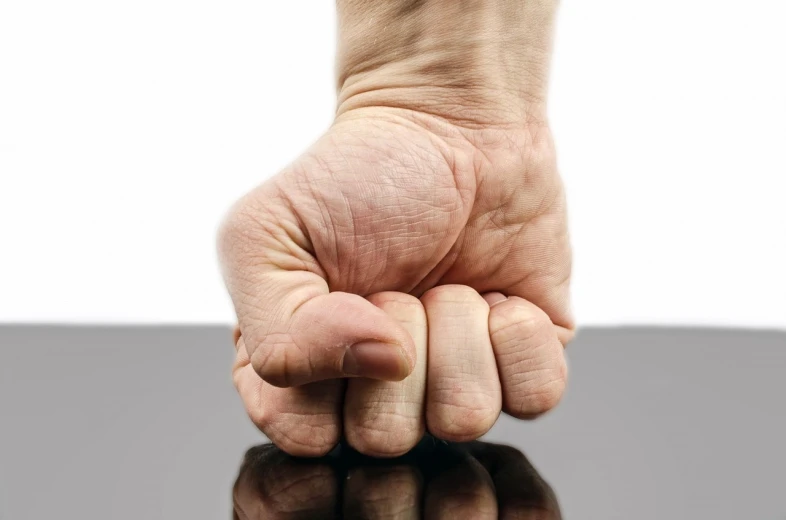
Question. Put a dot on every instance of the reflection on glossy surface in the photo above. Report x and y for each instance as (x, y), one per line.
(436, 480)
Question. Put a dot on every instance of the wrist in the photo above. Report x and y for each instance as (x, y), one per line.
(474, 63)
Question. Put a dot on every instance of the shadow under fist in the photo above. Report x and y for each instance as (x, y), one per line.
(474, 480)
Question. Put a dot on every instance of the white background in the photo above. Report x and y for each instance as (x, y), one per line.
(127, 128)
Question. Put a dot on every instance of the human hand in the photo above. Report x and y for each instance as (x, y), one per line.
(423, 235)
(476, 480)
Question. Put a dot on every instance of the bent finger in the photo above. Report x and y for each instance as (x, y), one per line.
(296, 330)
(530, 356)
(384, 418)
(304, 421)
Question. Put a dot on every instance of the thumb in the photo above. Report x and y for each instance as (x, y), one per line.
(295, 330)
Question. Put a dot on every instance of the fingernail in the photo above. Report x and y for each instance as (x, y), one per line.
(376, 360)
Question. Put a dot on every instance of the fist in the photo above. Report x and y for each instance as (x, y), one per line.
(410, 271)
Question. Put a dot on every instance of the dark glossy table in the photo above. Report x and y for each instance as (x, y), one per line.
(126, 423)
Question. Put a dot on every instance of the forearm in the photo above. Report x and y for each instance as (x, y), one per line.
(484, 58)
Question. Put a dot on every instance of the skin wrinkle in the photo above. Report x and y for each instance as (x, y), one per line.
(270, 349)
(313, 441)
(447, 153)
(532, 385)
(294, 244)
(533, 405)
(325, 220)
(348, 206)
(544, 389)
(319, 417)
(421, 19)
(526, 367)
(463, 424)
(389, 436)
(304, 245)
(372, 413)
(445, 104)
(296, 434)
(470, 396)
(522, 320)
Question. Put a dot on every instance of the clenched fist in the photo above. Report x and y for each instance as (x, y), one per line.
(410, 270)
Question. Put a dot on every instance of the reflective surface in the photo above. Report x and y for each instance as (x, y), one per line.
(436, 480)
(124, 423)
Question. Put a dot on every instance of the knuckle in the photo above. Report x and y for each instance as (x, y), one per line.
(461, 422)
(300, 436)
(537, 399)
(387, 436)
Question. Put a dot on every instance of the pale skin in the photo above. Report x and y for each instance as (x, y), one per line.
(411, 270)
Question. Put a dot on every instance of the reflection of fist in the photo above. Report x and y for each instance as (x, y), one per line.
(475, 480)
(423, 235)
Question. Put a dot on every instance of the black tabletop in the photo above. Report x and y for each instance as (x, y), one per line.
(126, 423)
